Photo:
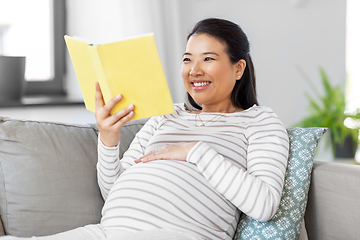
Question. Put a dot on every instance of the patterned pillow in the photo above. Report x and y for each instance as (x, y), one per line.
(286, 223)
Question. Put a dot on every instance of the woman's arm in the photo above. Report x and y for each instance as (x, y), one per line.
(257, 190)
(109, 167)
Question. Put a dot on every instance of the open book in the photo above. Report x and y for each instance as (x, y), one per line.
(131, 67)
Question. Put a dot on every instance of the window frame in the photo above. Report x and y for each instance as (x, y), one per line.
(55, 85)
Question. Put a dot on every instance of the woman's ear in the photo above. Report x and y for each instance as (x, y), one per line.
(240, 68)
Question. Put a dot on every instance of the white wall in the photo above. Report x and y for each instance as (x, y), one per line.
(289, 38)
(111, 20)
(285, 35)
(90, 20)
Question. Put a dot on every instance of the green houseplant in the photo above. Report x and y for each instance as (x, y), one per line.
(329, 111)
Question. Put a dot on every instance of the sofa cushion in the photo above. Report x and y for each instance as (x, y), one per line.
(286, 223)
(47, 177)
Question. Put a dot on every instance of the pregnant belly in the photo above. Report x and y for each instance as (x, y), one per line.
(167, 194)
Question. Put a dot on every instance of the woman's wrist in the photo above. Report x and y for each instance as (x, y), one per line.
(109, 144)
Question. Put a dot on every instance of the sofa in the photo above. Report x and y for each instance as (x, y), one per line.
(48, 185)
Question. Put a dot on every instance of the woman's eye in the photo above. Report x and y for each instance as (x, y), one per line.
(208, 58)
(186, 59)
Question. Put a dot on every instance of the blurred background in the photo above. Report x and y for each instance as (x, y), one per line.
(290, 41)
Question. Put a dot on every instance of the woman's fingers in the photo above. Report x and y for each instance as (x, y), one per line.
(111, 104)
(174, 151)
(122, 117)
(151, 156)
(109, 125)
(109, 132)
(99, 100)
(103, 110)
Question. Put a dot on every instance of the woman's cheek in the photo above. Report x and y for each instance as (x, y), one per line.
(185, 77)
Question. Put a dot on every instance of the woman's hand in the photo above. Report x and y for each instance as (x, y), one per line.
(175, 151)
(109, 125)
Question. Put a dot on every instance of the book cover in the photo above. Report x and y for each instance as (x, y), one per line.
(131, 67)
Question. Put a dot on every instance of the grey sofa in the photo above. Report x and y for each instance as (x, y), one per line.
(48, 182)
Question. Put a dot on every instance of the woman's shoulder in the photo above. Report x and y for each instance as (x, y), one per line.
(262, 114)
(264, 120)
(181, 107)
(258, 111)
(181, 110)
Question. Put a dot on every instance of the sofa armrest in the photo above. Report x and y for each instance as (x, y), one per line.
(333, 209)
(303, 232)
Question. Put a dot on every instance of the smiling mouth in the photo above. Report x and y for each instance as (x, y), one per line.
(200, 84)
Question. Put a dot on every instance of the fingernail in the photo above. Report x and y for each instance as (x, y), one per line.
(118, 96)
(131, 106)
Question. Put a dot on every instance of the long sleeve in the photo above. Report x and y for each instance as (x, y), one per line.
(257, 190)
(237, 164)
(110, 167)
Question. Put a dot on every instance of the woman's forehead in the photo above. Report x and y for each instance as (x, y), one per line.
(204, 43)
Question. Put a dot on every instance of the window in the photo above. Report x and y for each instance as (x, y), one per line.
(35, 29)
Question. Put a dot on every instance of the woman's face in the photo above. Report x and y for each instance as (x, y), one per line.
(208, 74)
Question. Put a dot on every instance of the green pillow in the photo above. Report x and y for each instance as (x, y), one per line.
(286, 223)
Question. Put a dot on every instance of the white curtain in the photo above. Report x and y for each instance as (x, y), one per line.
(162, 18)
(111, 20)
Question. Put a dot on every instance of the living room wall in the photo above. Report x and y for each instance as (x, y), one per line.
(289, 39)
(285, 36)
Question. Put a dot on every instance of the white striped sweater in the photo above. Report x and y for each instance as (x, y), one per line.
(238, 165)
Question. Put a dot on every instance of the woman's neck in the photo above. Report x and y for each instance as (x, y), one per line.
(220, 109)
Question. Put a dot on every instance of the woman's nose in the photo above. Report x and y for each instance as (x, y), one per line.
(195, 71)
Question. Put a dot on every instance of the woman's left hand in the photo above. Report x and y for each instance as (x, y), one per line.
(175, 151)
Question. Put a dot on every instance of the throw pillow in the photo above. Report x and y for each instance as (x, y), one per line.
(286, 223)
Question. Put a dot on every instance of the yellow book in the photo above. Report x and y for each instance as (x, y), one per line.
(131, 67)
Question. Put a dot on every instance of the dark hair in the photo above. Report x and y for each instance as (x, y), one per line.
(237, 47)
